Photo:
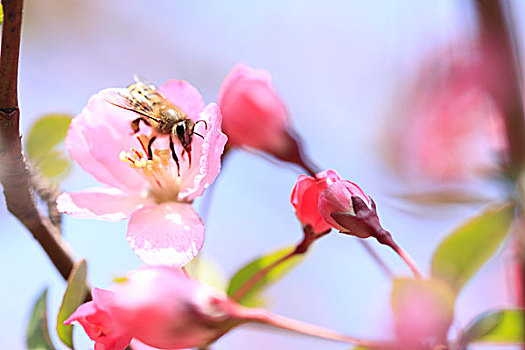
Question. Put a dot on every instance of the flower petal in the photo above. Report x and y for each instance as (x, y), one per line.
(109, 204)
(166, 234)
(96, 138)
(206, 156)
(183, 95)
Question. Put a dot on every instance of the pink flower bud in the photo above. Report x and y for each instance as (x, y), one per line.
(305, 198)
(337, 198)
(159, 307)
(254, 114)
(163, 308)
(99, 323)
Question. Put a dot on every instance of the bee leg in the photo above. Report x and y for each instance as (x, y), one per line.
(174, 155)
(135, 125)
(150, 151)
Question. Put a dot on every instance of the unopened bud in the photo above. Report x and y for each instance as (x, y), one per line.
(255, 116)
(305, 198)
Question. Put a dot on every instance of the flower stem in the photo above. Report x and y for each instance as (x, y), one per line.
(247, 286)
(407, 259)
(383, 266)
(267, 318)
(302, 247)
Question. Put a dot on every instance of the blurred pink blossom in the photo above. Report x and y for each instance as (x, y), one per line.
(448, 126)
(305, 198)
(337, 198)
(163, 229)
(159, 307)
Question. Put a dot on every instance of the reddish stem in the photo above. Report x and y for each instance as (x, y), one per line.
(267, 318)
(407, 259)
(247, 286)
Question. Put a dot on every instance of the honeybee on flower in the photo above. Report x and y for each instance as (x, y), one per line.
(156, 111)
(145, 183)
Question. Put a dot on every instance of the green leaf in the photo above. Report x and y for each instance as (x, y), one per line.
(207, 272)
(54, 165)
(1, 14)
(466, 249)
(496, 326)
(41, 145)
(73, 297)
(37, 334)
(253, 297)
(429, 304)
(46, 133)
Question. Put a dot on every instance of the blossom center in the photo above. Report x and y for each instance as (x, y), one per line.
(159, 171)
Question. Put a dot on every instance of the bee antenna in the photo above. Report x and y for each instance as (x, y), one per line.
(201, 121)
(196, 133)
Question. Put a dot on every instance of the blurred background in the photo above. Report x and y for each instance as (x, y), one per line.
(355, 76)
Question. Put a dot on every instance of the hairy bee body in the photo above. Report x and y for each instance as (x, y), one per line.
(156, 111)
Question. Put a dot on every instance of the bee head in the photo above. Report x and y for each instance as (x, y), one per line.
(183, 130)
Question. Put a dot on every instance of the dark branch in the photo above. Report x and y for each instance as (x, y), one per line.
(14, 172)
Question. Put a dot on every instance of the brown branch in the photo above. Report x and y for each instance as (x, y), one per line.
(14, 172)
(505, 81)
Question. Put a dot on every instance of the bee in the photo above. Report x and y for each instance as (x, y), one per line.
(156, 111)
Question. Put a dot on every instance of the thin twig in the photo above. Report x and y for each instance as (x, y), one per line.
(373, 254)
(14, 172)
(48, 192)
(246, 287)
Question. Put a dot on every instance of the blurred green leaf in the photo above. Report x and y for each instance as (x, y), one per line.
(444, 196)
(497, 326)
(54, 165)
(1, 14)
(37, 334)
(43, 137)
(253, 297)
(466, 249)
(207, 272)
(46, 133)
(73, 297)
(427, 305)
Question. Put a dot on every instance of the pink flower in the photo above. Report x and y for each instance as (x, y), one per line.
(159, 307)
(99, 323)
(450, 126)
(163, 228)
(337, 198)
(162, 308)
(254, 114)
(305, 198)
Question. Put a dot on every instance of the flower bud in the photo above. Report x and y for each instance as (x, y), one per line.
(159, 307)
(255, 116)
(337, 198)
(305, 198)
(99, 323)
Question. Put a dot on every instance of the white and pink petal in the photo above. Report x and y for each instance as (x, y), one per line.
(185, 96)
(110, 204)
(170, 234)
(100, 132)
(206, 154)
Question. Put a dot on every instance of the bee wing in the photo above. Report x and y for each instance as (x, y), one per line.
(124, 99)
(143, 82)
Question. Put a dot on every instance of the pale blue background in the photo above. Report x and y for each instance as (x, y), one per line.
(335, 63)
